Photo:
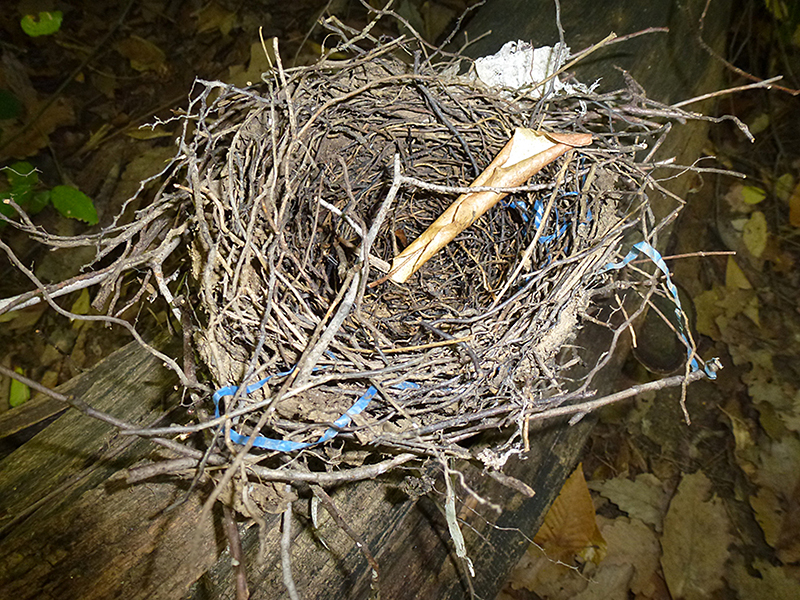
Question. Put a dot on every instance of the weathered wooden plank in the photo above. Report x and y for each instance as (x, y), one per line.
(39, 408)
(77, 440)
(64, 534)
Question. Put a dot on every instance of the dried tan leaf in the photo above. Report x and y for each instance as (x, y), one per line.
(756, 234)
(695, 541)
(642, 499)
(570, 526)
(631, 542)
(522, 157)
(142, 54)
(774, 583)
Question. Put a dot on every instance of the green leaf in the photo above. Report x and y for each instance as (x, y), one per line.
(783, 186)
(81, 306)
(19, 392)
(22, 196)
(9, 316)
(10, 106)
(22, 177)
(82, 303)
(752, 194)
(38, 201)
(758, 124)
(74, 204)
(21, 174)
(778, 8)
(46, 24)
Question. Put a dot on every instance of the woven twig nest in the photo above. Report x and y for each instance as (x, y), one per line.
(288, 178)
(296, 201)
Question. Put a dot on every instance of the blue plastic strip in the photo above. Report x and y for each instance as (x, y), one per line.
(538, 213)
(658, 260)
(287, 445)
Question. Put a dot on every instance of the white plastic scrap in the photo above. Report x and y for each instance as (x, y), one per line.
(518, 66)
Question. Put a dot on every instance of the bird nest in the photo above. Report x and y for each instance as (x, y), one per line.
(352, 302)
(305, 189)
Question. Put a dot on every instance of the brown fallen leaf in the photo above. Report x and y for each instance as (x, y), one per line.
(774, 582)
(28, 133)
(631, 543)
(214, 16)
(570, 527)
(522, 157)
(642, 499)
(777, 503)
(22, 140)
(143, 54)
(695, 541)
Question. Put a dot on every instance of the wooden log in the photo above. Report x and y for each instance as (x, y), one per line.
(66, 531)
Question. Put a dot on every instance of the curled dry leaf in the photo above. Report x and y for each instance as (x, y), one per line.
(527, 153)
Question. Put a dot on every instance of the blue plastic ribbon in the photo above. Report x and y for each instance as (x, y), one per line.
(658, 260)
(538, 214)
(286, 445)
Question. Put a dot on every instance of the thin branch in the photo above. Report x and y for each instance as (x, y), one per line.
(592, 405)
(286, 554)
(766, 83)
(40, 286)
(237, 555)
(727, 64)
(136, 474)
